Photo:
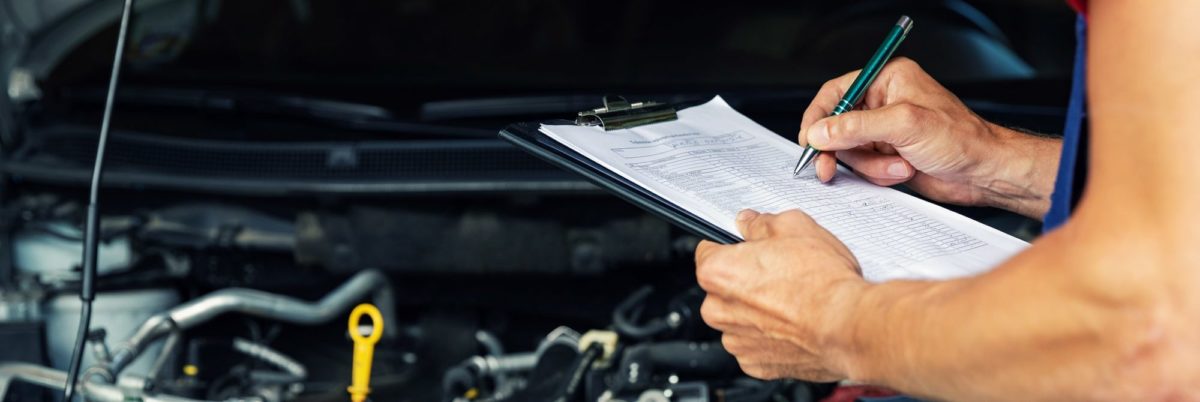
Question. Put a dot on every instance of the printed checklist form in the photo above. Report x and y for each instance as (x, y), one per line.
(715, 162)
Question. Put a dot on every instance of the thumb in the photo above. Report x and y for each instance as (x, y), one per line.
(893, 124)
(745, 222)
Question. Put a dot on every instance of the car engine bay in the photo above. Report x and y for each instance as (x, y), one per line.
(255, 195)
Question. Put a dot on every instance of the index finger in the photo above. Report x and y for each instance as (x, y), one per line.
(823, 103)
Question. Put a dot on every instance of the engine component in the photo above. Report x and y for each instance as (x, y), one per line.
(20, 305)
(682, 318)
(256, 303)
(468, 379)
(207, 225)
(51, 378)
(118, 313)
(669, 358)
(640, 362)
(91, 226)
(52, 250)
(607, 341)
(271, 385)
(295, 370)
(97, 385)
(364, 350)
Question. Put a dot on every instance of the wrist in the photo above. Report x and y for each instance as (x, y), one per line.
(1020, 173)
(840, 341)
(880, 334)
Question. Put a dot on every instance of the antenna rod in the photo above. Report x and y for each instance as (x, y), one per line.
(87, 289)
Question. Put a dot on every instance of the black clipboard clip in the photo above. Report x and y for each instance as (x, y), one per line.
(619, 113)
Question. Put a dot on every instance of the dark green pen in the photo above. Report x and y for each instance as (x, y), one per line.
(864, 80)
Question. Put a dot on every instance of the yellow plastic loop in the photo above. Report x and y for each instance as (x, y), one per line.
(364, 349)
(376, 323)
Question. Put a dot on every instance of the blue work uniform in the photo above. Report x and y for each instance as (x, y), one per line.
(1072, 167)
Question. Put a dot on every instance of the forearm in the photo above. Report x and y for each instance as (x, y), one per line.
(1103, 307)
(1056, 322)
(1019, 176)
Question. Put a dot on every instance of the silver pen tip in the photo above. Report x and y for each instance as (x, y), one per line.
(801, 166)
(806, 158)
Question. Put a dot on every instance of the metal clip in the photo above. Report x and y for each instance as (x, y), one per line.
(619, 113)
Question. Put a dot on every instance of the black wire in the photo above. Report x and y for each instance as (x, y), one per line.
(85, 318)
(626, 313)
(87, 289)
(574, 384)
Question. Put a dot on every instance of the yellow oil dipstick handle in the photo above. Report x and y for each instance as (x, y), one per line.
(364, 349)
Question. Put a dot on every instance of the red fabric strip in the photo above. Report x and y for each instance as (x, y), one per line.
(1079, 5)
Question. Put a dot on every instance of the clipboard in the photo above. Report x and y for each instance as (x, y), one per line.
(616, 114)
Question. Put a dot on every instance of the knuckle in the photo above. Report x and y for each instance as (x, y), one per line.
(708, 312)
(844, 125)
(705, 277)
(830, 89)
(702, 280)
(830, 85)
(703, 252)
(780, 224)
(796, 216)
(711, 275)
(908, 114)
(730, 344)
(906, 63)
(764, 224)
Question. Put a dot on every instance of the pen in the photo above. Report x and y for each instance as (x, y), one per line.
(864, 80)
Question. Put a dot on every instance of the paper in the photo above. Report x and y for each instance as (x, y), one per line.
(714, 162)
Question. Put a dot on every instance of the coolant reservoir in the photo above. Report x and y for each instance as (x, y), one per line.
(119, 313)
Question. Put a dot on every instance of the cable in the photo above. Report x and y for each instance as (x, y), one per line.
(573, 386)
(271, 356)
(87, 289)
(164, 356)
(85, 319)
(625, 317)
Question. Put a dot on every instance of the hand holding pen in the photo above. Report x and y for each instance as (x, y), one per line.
(913, 131)
(865, 77)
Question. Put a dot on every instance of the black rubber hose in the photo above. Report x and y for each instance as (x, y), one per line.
(571, 390)
(457, 381)
(639, 363)
(709, 358)
(624, 324)
(85, 319)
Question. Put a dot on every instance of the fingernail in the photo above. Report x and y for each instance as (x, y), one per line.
(897, 170)
(746, 214)
(818, 135)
